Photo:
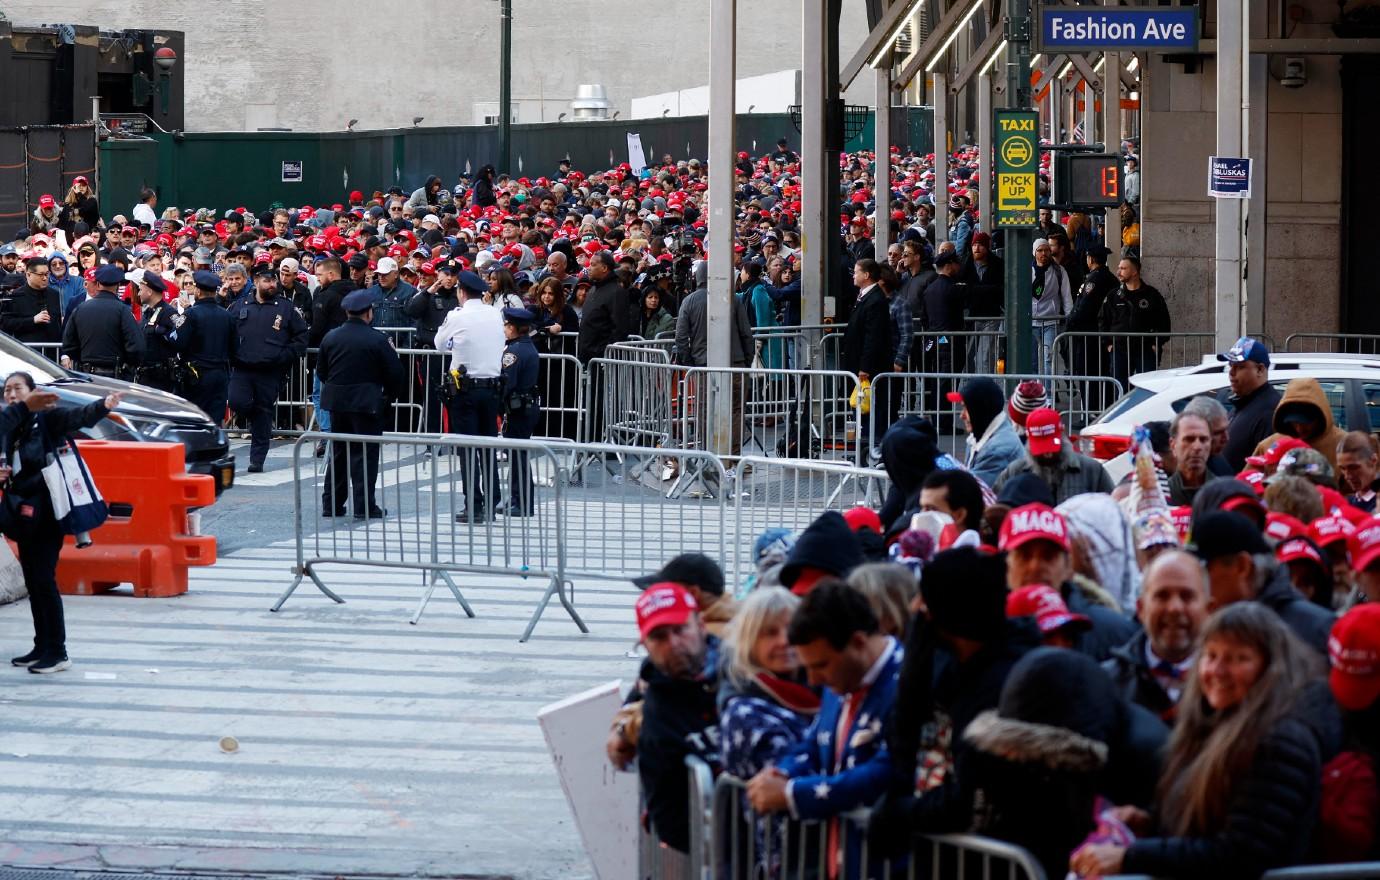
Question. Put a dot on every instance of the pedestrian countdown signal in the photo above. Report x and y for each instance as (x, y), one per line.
(1087, 180)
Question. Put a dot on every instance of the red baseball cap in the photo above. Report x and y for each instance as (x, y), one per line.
(1253, 478)
(1326, 530)
(1272, 455)
(1033, 522)
(664, 604)
(1236, 502)
(1044, 603)
(863, 517)
(1300, 548)
(1282, 526)
(1353, 651)
(1045, 431)
(47, 202)
(1365, 544)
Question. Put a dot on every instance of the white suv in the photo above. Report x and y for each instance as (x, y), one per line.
(1351, 383)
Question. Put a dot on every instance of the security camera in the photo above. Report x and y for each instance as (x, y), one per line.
(1295, 74)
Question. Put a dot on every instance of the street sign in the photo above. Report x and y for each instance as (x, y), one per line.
(1117, 28)
(1017, 161)
(1229, 178)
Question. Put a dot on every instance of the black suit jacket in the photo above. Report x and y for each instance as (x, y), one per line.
(867, 342)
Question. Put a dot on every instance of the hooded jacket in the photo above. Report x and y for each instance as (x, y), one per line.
(827, 543)
(71, 288)
(1273, 806)
(1060, 730)
(1306, 393)
(910, 448)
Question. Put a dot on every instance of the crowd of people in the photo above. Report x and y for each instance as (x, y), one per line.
(1177, 675)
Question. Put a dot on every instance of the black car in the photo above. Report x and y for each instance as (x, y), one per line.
(144, 414)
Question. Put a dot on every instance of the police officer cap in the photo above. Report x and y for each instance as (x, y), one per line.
(202, 278)
(472, 283)
(449, 266)
(110, 274)
(265, 269)
(518, 316)
(155, 281)
(358, 303)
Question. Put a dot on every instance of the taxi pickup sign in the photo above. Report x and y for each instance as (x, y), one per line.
(1118, 28)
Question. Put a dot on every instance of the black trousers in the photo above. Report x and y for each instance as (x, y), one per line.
(38, 557)
(210, 391)
(353, 468)
(426, 379)
(474, 411)
(254, 394)
(521, 488)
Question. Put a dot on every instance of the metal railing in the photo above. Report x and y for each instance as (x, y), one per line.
(1333, 343)
(788, 413)
(530, 509)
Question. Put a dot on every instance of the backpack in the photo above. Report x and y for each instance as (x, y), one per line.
(1348, 809)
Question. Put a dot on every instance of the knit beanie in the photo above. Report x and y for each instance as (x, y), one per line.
(1030, 395)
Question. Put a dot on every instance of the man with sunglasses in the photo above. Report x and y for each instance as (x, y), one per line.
(34, 312)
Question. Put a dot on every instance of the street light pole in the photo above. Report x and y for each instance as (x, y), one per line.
(505, 86)
(1020, 342)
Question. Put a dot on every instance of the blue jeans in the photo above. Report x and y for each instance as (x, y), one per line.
(323, 418)
(1045, 331)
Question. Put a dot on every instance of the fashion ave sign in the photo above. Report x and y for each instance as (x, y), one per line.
(1092, 28)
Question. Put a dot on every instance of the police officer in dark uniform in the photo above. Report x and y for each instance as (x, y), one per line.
(1087, 355)
(206, 340)
(360, 372)
(105, 340)
(521, 405)
(428, 308)
(270, 336)
(159, 367)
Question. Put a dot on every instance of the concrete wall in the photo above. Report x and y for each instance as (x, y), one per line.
(1301, 190)
(252, 63)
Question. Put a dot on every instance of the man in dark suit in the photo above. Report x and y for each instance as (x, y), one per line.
(360, 372)
(868, 346)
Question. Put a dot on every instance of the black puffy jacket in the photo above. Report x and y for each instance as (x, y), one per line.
(1273, 808)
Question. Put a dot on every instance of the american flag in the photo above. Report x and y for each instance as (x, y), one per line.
(1078, 136)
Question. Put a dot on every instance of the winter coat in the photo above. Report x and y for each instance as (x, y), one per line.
(1109, 544)
(1311, 623)
(1080, 474)
(1054, 299)
(1305, 393)
(1129, 670)
(1273, 806)
(1110, 627)
(660, 321)
(995, 450)
(762, 721)
(679, 718)
(1060, 731)
(985, 296)
(1252, 420)
(867, 342)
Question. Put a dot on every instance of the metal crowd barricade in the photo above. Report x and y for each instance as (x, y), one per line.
(1079, 399)
(947, 351)
(413, 524)
(1333, 343)
(642, 351)
(790, 413)
(748, 847)
(790, 494)
(51, 350)
(655, 860)
(1122, 355)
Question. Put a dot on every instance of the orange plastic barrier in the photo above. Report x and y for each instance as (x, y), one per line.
(146, 544)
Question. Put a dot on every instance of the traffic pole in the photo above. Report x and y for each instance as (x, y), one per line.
(1020, 342)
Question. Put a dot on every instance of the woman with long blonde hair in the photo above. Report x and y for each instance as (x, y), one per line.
(1241, 785)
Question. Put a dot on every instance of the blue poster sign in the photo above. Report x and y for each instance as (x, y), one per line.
(1118, 28)
(1229, 178)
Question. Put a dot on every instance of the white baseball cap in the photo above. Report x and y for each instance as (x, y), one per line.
(386, 265)
(432, 218)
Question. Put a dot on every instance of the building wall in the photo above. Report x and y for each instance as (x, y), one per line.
(255, 64)
(1301, 191)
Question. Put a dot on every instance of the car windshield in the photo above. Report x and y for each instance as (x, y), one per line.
(15, 356)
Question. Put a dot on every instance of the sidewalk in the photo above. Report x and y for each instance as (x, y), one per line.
(366, 745)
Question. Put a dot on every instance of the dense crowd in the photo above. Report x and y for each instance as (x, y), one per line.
(1121, 678)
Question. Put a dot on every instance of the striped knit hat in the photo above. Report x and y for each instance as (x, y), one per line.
(1030, 395)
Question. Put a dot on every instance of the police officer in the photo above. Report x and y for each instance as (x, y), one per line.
(359, 373)
(270, 336)
(521, 405)
(159, 369)
(105, 340)
(206, 340)
(428, 308)
(473, 334)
